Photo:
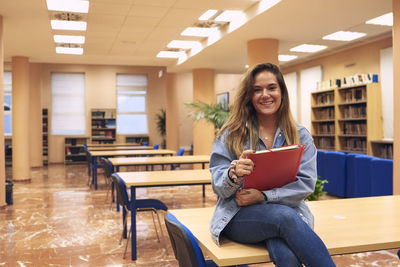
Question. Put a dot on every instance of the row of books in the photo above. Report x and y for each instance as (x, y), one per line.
(75, 141)
(351, 80)
(324, 143)
(325, 114)
(103, 134)
(386, 151)
(355, 144)
(355, 94)
(325, 99)
(325, 128)
(356, 128)
(354, 112)
(103, 124)
(103, 114)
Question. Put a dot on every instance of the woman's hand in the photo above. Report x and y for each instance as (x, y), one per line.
(244, 166)
(250, 196)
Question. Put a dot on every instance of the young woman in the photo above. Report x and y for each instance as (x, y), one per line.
(260, 118)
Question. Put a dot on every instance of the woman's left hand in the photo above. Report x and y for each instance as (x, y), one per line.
(250, 196)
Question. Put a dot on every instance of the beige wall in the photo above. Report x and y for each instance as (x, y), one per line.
(185, 95)
(227, 83)
(35, 116)
(396, 97)
(100, 93)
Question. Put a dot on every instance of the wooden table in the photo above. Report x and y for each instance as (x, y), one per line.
(159, 178)
(132, 152)
(345, 225)
(108, 148)
(113, 144)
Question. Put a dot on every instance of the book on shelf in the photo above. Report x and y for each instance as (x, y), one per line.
(274, 167)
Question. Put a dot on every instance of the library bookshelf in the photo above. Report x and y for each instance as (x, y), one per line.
(74, 150)
(103, 123)
(347, 119)
(45, 130)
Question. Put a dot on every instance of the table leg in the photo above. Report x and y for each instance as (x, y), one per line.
(133, 222)
(95, 172)
(204, 190)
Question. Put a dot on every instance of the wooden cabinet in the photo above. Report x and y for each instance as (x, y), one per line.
(45, 129)
(103, 126)
(74, 150)
(382, 148)
(347, 119)
(142, 140)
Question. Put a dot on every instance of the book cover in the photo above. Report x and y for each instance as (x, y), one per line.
(274, 167)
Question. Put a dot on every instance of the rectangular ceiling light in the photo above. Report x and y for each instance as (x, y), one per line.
(344, 36)
(69, 39)
(79, 6)
(170, 54)
(264, 5)
(385, 20)
(198, 31)
(68, 25)
(183, 44)
(69, 50)
(208, 14)
(307, 48)
(229, 15)
(286, 57)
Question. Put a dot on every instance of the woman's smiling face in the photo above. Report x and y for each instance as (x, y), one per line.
(267, 96)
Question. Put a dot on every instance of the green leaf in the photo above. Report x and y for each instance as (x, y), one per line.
(214, 113)
(319, 190)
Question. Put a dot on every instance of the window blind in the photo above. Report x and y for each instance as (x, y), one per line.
(131, 106)
(7, 82)
(68, 114)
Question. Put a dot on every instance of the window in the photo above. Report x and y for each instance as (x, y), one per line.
(7, 103)
(131, 103)
(68, 114)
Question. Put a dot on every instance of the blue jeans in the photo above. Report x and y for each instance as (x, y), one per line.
(289, 239)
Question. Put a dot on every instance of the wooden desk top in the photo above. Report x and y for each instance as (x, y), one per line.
(160, 160)
(345, 225)
(114, 144)
(132, 152)
(157, 178)
(107, 148)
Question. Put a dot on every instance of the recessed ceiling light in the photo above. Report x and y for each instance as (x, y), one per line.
(183, 44)
(69, 50)
(70, 39)
(344, 36)
(208, 14)
(308, 48)
(170, 54)
(197, 31)
(229, 15)
(385, 20)
(68, 6)
(264, 5)
(286, 57)
(246, 66)
(68, 25)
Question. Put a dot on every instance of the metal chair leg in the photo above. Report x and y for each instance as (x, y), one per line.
(162, 234)
(154, 223)
(127, 242)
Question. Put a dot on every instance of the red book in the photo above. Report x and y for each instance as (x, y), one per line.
(274, 167)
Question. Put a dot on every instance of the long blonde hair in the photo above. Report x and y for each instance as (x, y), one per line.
(243, 113)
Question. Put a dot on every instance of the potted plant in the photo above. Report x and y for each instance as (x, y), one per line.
(161, 120)
(214, 113)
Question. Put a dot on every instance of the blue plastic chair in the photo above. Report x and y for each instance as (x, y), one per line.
(320, 164)
(156, 146)
(351, 174)
(362, 175)
(108, 170)
(145, 143)
(179, 153)
(335, 172)
(141, 205)
(381, 177)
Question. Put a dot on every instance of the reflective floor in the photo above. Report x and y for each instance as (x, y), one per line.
(57, 220)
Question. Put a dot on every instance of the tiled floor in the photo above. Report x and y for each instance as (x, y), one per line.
(57, 220)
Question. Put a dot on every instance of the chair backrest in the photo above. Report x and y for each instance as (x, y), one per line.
(107, 167)
(121, 190)
(180, 151)
(156, 146)
(184, 244)
(145, 143)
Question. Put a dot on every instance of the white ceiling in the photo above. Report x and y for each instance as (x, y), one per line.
(132, 32)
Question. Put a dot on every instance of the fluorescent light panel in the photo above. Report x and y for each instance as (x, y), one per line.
(70, 39)
(183, 44)
(229, 15)
(197, 31)
(307, 48)
(208, 14)
(68, 5)
(170, 54)
(68, 25)
(344, 36)
(69, 50)
(286, 57)
(385, 20)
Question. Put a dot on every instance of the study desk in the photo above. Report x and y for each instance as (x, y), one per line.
(113, 144)
(108, 148)
(159, 178)
(349, 225)
(131, 152)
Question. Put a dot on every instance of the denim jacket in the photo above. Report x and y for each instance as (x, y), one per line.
(292, 194)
